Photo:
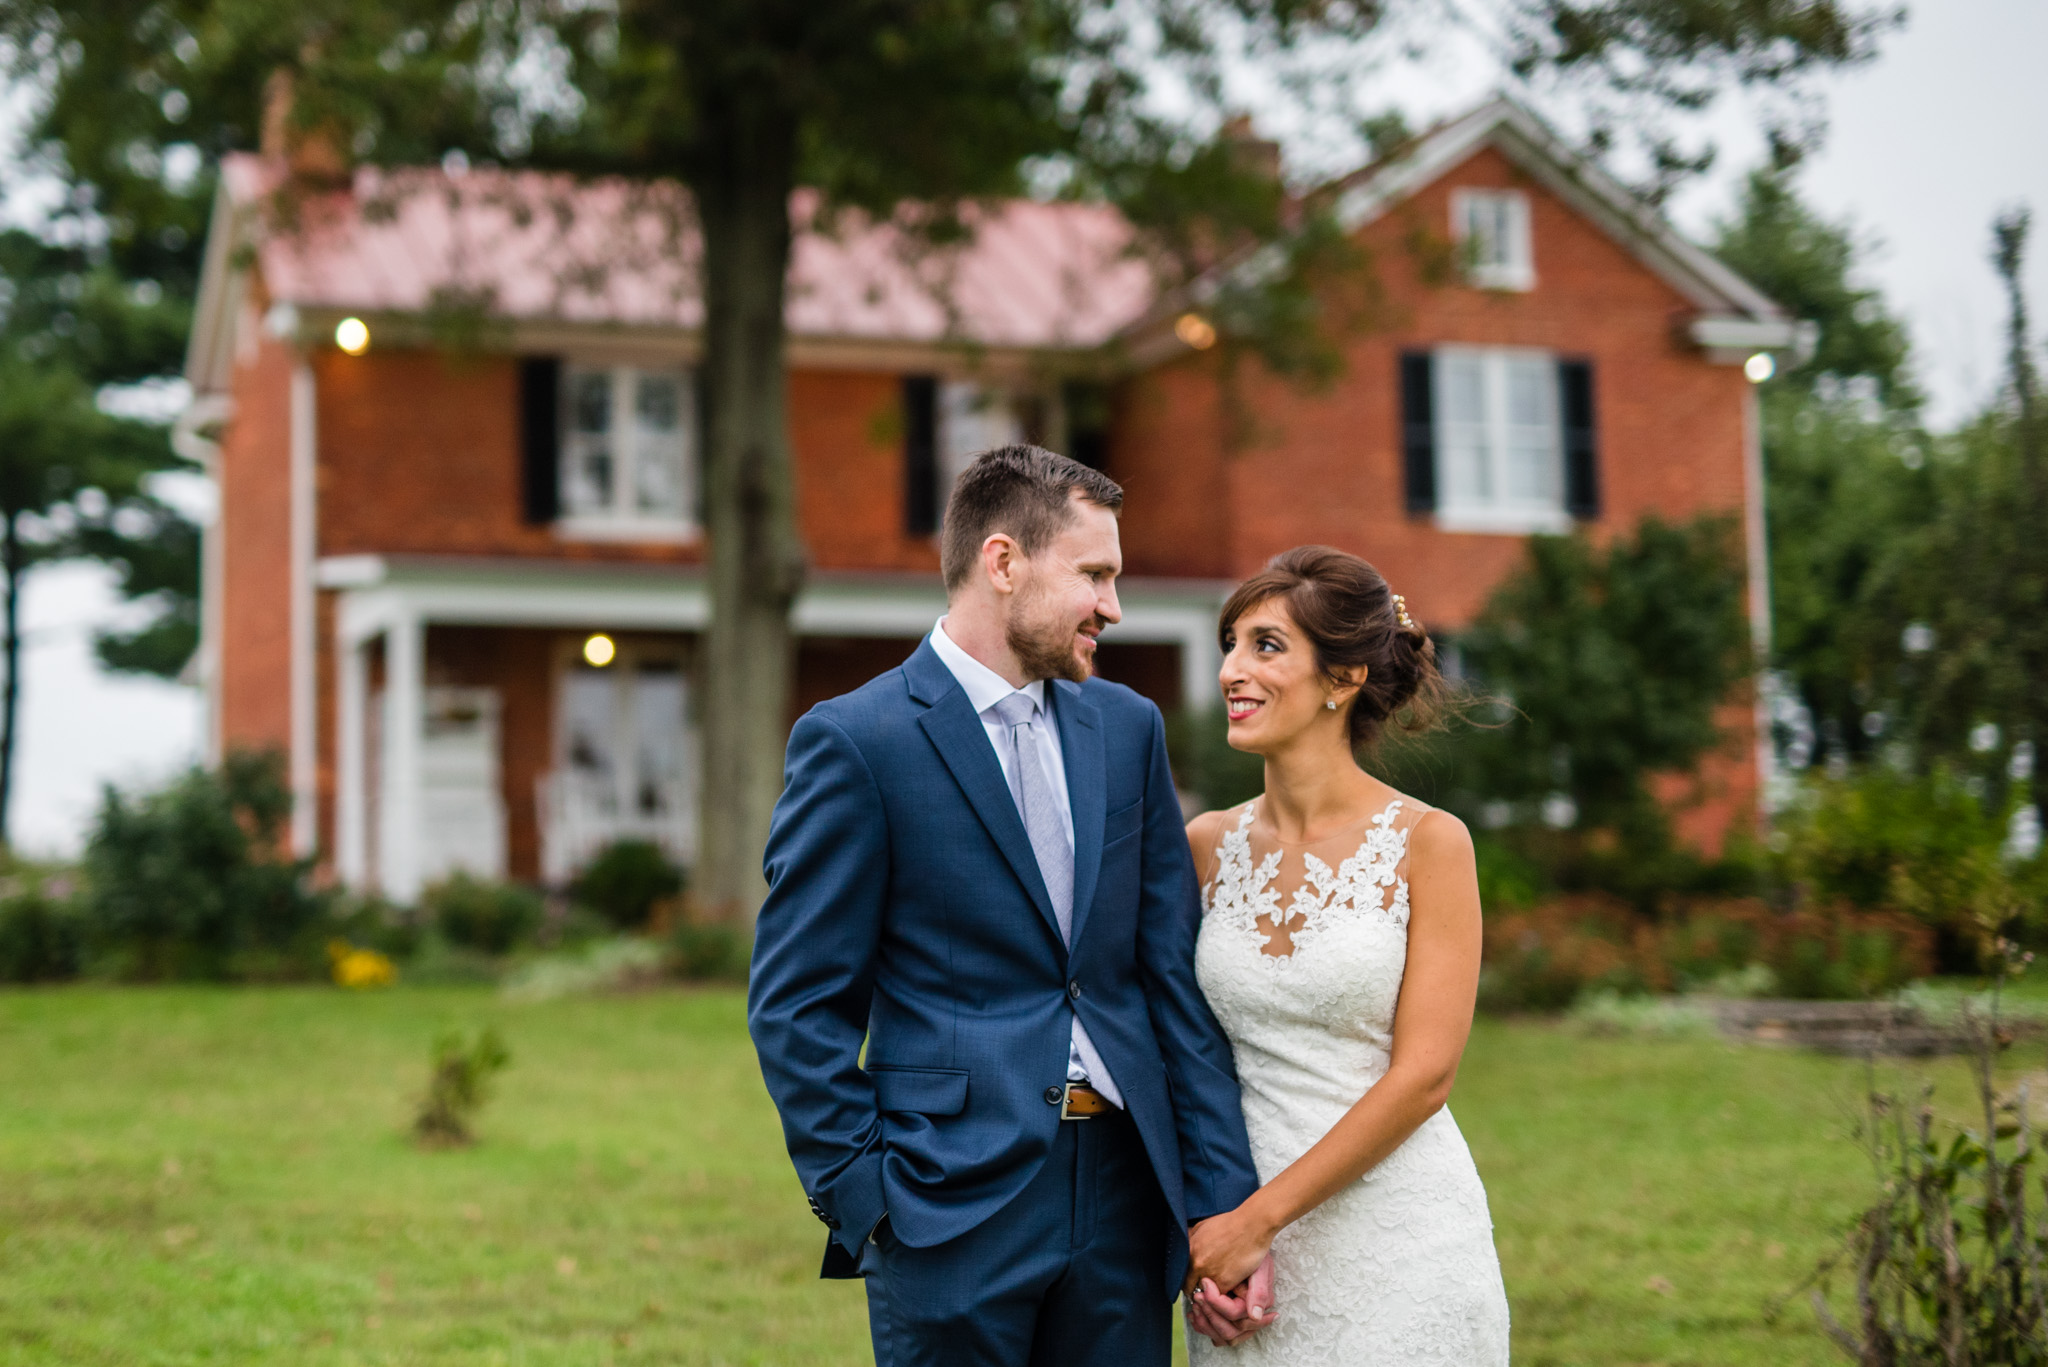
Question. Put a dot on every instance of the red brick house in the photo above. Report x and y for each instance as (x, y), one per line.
(450, 417)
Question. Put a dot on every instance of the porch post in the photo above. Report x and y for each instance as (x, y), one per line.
(398, 845)
(1200, 659)
(351, 815)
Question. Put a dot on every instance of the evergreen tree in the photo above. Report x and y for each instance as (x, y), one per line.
(73, 478)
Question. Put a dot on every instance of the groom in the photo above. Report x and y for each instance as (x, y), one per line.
(977, 869)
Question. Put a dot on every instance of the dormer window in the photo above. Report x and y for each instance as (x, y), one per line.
(1491, 228)
(628, 460)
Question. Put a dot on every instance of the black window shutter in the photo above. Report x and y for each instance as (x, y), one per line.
(540, 437)
(1418, 431)
(1581, 441)
(1087, 406)
(920, 455)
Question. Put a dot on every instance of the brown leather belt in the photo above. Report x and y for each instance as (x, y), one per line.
(1084, 1103)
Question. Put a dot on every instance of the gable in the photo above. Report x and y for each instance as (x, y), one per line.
(1517, 135)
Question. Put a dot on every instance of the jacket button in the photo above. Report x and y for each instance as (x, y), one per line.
(1055, 1095)
(1074, 989)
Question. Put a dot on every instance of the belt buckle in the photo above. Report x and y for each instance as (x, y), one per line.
(1066, 1099)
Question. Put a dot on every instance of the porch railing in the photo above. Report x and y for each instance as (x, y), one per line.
(582, 813)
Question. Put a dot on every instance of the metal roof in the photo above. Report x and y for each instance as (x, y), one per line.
(532, 245)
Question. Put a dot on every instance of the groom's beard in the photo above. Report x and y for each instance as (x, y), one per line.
(1045, 648)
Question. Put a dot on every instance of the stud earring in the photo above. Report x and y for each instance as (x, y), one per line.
(1330, 703)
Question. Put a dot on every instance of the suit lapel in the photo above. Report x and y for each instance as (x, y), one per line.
(962, 742)
(1081, 751)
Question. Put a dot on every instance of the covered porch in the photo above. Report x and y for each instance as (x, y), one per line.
(470, 728)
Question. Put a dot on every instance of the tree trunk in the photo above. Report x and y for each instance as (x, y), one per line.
(10, 658)
(742, 189)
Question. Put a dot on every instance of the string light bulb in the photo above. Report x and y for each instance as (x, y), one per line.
(599, 650)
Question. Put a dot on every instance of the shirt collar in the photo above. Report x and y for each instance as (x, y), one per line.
(983, 686)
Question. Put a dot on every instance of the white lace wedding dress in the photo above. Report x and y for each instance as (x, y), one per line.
(1398, 1269)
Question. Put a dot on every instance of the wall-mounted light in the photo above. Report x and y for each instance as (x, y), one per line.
(599, 650)
(1760, 367)
(352, 335)
(1197, 331)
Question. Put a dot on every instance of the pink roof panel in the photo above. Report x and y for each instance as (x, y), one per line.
(533, 246)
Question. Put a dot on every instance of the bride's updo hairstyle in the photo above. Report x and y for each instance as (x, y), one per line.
(1351, 618)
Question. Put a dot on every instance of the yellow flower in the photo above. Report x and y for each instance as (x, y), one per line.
(357, 968)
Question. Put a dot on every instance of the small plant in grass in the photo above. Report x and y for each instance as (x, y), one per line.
(1949, 1258)
(457, 1088)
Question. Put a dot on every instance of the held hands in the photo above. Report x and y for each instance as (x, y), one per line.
(1233, 1251)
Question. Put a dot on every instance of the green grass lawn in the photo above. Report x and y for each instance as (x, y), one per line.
(222, 1176)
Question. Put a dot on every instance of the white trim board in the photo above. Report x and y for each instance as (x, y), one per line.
(379, 592)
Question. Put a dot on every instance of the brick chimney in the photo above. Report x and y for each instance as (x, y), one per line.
(1250, 152)
(309, 154)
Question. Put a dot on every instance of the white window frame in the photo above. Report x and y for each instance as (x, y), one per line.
(972, 417)
(1503, 258)
(1497, 511)
(623, 520)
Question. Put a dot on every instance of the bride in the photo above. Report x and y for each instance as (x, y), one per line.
(1340, 950)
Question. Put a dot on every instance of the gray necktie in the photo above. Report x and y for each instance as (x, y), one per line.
(1039, 806)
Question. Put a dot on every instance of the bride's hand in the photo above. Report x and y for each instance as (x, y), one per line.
(1227, 1249)
(1224, 1317)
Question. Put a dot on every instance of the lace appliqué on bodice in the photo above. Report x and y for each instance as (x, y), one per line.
(1398, 1269)
(1359, 886)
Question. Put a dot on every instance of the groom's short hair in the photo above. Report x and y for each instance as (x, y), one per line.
(1023, 491)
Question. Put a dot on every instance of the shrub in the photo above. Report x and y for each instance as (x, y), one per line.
(626, 881)
(480, 914)
(457, 1087)
(699, 953)
(1543, 958)
(1205, 766)
(42, 937)
(367, 920)
(1947, 1257)
(192, 881)
(1615, 660)
(1546, 958)
(1928, 846)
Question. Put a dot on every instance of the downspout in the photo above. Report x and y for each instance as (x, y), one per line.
(190, 438)
(1756, 533)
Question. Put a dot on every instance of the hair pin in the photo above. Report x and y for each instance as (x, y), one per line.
(1401, 613)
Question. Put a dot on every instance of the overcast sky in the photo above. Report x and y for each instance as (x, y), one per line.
(1924, 146)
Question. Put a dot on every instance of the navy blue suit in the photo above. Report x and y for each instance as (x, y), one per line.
(906, 911)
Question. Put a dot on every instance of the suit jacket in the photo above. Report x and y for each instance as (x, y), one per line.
(905, 910)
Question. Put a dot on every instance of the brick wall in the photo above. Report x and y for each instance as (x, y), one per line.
(419, 453)
(255, 528)
(1325, 465)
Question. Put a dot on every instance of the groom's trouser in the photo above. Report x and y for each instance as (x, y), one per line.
(1070, 1274)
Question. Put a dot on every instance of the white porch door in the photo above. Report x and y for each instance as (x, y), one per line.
(626, 765)
(462, 811)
